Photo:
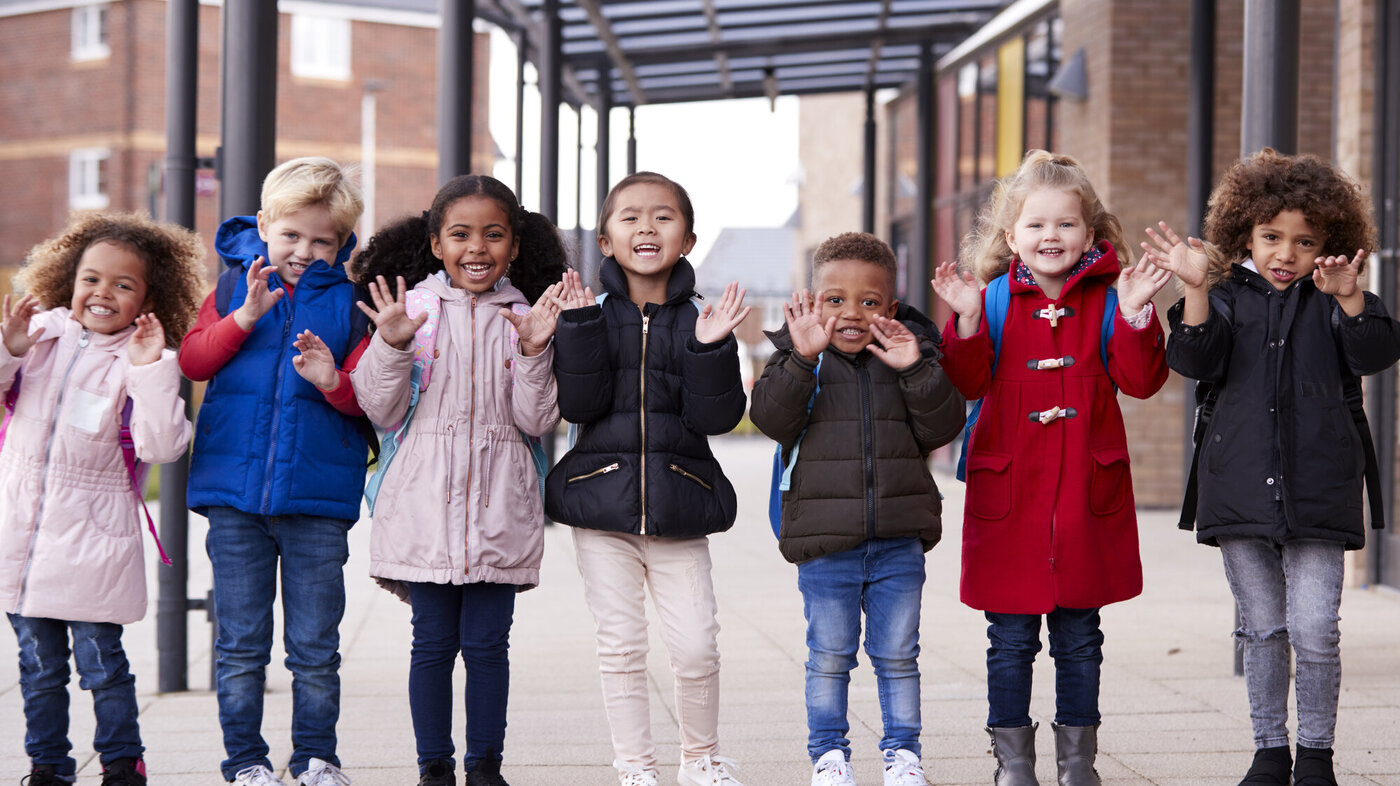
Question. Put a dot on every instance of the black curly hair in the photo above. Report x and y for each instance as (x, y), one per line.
(1259, 187)
(403, 247)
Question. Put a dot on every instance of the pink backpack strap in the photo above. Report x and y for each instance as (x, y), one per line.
(419, 301)
(137, 470)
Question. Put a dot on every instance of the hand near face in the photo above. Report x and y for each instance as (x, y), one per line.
(390, 316)
(260, 299)
(14, 324)
(809, 332)
(1137, 284)
(145, 345)
(717, 322)
(895, 345)
(315, 364)
(1187, 259)
(536, 327)
(1337, 276)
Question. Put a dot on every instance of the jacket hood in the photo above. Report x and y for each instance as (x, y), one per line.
(920, 325)
(238, 243)
(502, 294)
(680, 286)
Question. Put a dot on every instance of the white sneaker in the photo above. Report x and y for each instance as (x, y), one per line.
(902, 768)
(322, 773)
(636, 776)
(257, 775)
(832, 769)
(708, 771)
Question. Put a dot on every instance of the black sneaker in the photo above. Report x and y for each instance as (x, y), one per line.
(437, 772)
(44, 775)
(1271, 767)
(487, 773)
(1313, 767)
(124, 772)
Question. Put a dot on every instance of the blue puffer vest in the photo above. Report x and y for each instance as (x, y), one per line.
(266, 441)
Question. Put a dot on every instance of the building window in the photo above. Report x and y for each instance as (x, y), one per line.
(320, 47)
(90, 32)
(87, 179)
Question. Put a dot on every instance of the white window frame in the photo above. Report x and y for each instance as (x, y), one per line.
(90, 32)
(321, 47)
(85, 182)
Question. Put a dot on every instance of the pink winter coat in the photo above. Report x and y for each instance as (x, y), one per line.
(71, 527)
(461, 501)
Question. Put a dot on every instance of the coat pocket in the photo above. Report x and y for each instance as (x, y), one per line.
(1110, 482)
(989, 484)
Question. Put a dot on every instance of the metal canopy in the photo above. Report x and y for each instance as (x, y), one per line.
(667, 51)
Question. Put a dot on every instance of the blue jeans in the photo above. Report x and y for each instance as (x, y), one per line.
(1076, 645)
(475, 620)
(1288, 596)
(885, 579)
(43, 682)
(244, 549)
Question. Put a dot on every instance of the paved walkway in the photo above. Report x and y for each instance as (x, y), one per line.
(1173, 714)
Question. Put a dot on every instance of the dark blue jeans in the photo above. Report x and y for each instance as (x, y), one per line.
(43, 682)
(245, 550)
(1076, 645)
(475, 620)
(883, 578)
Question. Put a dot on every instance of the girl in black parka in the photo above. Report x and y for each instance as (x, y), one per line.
(1277, 340)
(647, 376)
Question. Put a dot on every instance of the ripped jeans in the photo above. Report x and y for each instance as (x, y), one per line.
(1288, 594)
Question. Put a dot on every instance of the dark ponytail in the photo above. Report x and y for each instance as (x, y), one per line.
(542, 259)
(400, 248)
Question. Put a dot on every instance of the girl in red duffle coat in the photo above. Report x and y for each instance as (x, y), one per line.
(1049, 527)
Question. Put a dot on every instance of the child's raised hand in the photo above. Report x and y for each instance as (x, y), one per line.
(14, 324)
(958, 290)
(1336, 276)
(1187, 259)
(717, 322)
(260, 299)
(145, 345)
(1138, 283)
(536, 327)
(809, 332)
(894, 344)
(315, 364)
(390, 317)
(573, 294)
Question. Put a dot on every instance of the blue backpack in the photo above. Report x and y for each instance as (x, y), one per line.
(995, 305)
(782, 472)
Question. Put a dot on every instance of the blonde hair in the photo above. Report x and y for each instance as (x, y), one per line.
(313, 180)
(985, 250)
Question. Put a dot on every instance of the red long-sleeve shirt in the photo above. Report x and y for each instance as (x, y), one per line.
(214, 340)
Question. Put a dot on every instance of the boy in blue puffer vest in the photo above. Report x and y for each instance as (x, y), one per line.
(279, 462)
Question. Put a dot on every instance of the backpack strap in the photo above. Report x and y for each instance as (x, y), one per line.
(1351, 391)
(1207, 394)
(137, 470)
(782, 470)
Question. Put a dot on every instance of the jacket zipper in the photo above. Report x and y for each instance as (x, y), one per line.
(44, 479)
(867, 448)
(676, 468)
(613, 467)
(471, 444)
(646, 324)
(276, 415)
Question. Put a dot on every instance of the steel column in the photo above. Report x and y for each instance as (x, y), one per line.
(1384, 562)
(921, 235)
(867, 191)
(455, 60)
(1269, 108)
(631, 140)
(521, 58)
(551, 64)
(249, 116)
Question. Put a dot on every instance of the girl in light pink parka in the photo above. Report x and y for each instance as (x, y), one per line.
(106, 302)
(458, 518)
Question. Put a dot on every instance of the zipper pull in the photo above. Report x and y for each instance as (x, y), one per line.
(646, 323)
(83, 339)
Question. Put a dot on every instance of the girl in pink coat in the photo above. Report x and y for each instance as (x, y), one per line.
(87, 353)
(458, 519)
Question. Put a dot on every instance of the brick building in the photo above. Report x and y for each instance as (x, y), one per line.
(82, 105)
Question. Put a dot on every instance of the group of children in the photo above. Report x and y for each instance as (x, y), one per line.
(463, 337)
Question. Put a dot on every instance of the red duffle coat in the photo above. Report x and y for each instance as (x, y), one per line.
(1049, 519)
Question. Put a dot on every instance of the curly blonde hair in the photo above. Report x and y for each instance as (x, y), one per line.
(1258, 187)
(174, 258)
(985, 251)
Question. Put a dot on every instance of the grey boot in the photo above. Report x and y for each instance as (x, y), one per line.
(1015, 752)
(1075, 749)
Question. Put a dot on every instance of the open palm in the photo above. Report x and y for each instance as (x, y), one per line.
(391, 319)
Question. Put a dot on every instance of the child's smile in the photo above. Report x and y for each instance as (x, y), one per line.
(476, 243)
(855, 292)
(646, 234)
(109, 291)
(1050, 235)
(1285, 248)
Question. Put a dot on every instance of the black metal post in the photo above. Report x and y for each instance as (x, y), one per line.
(551, 78)
(1385, 190)
(521, 58)
(631, 140)
(454, 122)
(578, 178)
(920, 242)
(867, 189)
(181, 93)
(1200, 124)
(249, 116)
(1269, 107)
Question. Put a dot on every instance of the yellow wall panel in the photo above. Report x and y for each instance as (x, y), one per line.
(1011, 104)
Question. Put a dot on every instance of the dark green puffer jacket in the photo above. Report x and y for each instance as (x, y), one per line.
(862, 470)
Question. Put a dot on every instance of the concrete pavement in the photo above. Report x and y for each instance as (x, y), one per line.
(1173, 712)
